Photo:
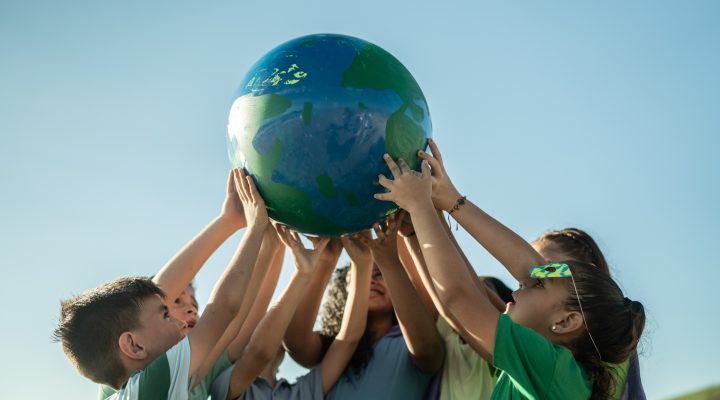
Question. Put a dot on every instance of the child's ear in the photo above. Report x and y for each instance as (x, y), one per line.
(130, 347)
(571, 322)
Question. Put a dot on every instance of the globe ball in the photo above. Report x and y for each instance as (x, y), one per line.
(311, 121)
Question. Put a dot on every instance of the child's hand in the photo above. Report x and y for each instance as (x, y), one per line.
(444, 193)
(384, 248)
(331, 253)
(252, 203)
(358, 251)
(409, 189)
(306, 260)
(232, 209)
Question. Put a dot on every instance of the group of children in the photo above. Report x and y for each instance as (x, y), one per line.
(408, 319)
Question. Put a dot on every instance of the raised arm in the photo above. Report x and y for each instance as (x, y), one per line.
(408, 259)
(177, 274)
(354, 315)
(506, 246)
(302, 343)
(257, 297)
(227, 297)
(417, 324)
(260, 305)
(421, 269)
(452, 281)
(266, 339)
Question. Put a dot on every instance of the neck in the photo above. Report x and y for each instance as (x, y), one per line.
(378, 326)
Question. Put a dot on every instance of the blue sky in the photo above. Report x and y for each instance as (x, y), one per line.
(598, 115)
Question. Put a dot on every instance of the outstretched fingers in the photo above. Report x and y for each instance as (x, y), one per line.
(394, 168)
(240, 184)
(435, 151)
(231, 182)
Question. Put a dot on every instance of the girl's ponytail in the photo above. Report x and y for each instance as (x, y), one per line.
(614, 321)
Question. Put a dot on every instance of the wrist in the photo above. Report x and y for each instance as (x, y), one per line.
(230, 222)
(458, 203)
(420, 204)
(446, 201)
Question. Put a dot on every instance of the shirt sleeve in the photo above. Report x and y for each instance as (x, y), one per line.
(105, 392)
(221, 384)
(165, 378)
(527, 357)
(308, 386)
(202, 389)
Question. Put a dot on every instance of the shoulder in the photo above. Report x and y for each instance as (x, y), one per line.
(533, 362)
(165, 378)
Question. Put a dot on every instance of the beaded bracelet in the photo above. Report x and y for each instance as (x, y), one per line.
(459, 202)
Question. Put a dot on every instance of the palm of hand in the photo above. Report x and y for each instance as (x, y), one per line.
(358, 251)
(232, 210)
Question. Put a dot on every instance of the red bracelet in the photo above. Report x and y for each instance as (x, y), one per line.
(459, 202)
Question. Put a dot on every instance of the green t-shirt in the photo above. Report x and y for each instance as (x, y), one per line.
(199, 392)
(202, 390)
(465, 374)
(533, 367)
(165, 378)
(620, 373)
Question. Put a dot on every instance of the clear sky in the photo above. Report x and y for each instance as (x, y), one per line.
(600, 115)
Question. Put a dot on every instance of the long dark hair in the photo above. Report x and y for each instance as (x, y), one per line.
(614, 322)
(331, 320)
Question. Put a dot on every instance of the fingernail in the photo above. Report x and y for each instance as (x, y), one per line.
(420, 152)
(386, 155)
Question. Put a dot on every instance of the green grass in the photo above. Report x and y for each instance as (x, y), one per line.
(710, 393)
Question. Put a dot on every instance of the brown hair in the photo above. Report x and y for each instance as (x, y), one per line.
(614, 324)
(575, 244)
(91, 323)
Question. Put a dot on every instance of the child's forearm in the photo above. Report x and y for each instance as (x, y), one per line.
(418, 326)
(506, 246)
(177, 274)
(267, 338)
(464, 302)
(304, 345)
(408, 258)
(259, 306)
(352, 328)
(355, 313)
(231, 288)
(237, 334)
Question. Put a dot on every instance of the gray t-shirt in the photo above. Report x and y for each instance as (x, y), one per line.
(307, 387)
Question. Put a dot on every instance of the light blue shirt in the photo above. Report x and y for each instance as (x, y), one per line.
(390, 374)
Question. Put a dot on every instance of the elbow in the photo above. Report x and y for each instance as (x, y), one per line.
(260, 355)
(431, 358)
(451, 297)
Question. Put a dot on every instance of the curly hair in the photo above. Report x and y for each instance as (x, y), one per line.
(332, 312)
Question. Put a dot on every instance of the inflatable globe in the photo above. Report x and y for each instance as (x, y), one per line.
(311, 121)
